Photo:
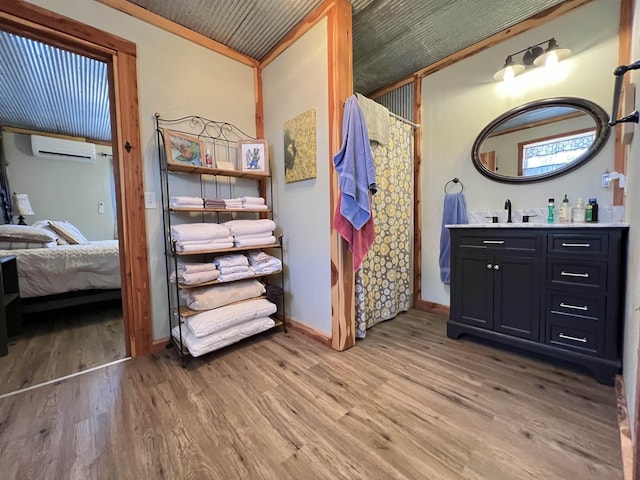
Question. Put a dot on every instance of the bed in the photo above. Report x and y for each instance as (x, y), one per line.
(58, 276)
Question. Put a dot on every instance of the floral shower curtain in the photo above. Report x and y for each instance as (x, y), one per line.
(383, 283)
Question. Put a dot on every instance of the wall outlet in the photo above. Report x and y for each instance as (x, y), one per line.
(150, 201)
(101, 207)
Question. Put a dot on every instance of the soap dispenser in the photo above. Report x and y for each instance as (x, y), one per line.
(579, 211)
(565, 210)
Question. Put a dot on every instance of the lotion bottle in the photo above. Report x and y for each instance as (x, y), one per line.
(565, 211)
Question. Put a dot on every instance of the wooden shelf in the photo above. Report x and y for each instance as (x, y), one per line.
(218, 282)
(233, 249)
(218, 210)
(215, 171)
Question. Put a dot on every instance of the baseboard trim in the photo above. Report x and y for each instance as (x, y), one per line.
(626, 444)
(431, 307)
(160, 344)
(310, 332)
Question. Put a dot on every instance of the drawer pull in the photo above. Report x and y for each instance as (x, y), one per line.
(489, 266)
(575, 307)
(585, 245)
(575, 339)
(494, 242)
(570, 274)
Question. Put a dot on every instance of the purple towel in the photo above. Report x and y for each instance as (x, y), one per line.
(454, 212)
(354, 164)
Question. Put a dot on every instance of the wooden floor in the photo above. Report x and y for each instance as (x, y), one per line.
(405, 403)
(58, 343)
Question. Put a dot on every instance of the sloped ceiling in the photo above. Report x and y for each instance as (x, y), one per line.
(58, 92)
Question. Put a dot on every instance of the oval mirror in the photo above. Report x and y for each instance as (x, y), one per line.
(540, 140)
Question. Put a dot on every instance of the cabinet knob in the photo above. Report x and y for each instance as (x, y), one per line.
(496, 267)
(489, 266)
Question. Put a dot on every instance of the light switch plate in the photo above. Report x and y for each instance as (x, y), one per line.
(150, 200)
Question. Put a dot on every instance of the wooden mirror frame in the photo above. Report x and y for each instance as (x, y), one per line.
(597, 113)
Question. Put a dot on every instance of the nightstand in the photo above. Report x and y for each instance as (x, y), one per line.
(11, 313)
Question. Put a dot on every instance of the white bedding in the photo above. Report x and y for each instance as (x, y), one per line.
(221, 318)
(200, 346)
(65, 268)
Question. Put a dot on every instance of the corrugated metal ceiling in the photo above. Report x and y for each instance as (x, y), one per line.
(59, 92)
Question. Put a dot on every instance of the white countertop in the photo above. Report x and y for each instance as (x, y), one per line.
(539, 225)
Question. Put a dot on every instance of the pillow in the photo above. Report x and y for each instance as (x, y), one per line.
(7, 244)
(26, 233)
(70, 233)
(45, 224)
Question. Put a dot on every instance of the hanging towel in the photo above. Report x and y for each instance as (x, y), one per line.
(359, 241)
(454, 213)
(354, 164)
(376, 117)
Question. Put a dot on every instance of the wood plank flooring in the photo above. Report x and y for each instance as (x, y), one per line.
(61, 342)
(405, 403)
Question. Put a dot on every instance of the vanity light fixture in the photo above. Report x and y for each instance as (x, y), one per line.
(532, 55)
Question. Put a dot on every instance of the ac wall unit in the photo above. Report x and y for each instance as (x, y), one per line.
(61, 149)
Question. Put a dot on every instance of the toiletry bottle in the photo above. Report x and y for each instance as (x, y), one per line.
(579, 211)
(551, 207)
(208, 160)
(565, 210)
(593, 209)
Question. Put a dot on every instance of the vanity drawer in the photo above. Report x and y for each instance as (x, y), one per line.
(588, 309)
(578, 339)
(592, 275)
(578, 243)
(526, 243)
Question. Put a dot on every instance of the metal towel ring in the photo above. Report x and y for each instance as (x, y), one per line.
(455, 180)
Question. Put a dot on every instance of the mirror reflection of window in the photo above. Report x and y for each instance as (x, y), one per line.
(545, 155)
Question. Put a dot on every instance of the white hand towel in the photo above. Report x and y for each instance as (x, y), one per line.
(254, 242)
(198, 231)
(253, 200)
(243, 227)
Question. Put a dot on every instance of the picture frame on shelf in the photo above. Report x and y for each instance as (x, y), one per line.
(183, 149)
(253, 156)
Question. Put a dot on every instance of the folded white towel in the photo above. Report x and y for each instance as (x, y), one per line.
(258, 256)
(205, 298)
(254, 206)
(234, 269)
(184, 267)
(222, 318)
(273, 262)
(202, 247)
(178, 200)
(195, 278)
(249, 236)
(253, 200)
(226, 239)
(231, 277)
(266, 271)
(253, 242)
(183, 205)
(231, 260)
(198, 231)
(243, 227)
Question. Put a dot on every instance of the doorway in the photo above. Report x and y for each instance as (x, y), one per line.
(24, 19)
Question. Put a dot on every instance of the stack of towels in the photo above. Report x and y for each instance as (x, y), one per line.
(232, 203)
(251, 233)
(263, 264)
(195, 237)
(214, 203)
(185, 202)
(233, 267)
(254, 203)
(195, 273)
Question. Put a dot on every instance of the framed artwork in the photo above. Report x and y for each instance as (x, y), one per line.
(183, 149)
(253, 156)
(300, 147)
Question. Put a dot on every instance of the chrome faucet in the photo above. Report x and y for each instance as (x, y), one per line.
(507, 206)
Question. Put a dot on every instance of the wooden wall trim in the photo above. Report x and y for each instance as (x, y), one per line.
(298, 31)
(310, 332)
(128, 168)
(541, 18)
(624, 58)
(160, 344)
(432, 307)
(172, 27)
(340, 88)
(417, 189)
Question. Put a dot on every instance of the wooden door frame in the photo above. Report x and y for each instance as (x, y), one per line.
(22, 18)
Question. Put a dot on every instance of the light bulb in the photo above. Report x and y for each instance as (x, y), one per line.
(552, 59)
(509, 74)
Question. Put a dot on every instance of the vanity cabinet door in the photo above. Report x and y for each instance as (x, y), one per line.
(517, 294)
(472, 290)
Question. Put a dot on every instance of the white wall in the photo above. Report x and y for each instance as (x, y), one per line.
(175, 78)
(632, 314)
(63, 189)
(294, 83)
(460, 100)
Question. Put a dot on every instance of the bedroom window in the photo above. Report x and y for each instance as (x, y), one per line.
(547, 154)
